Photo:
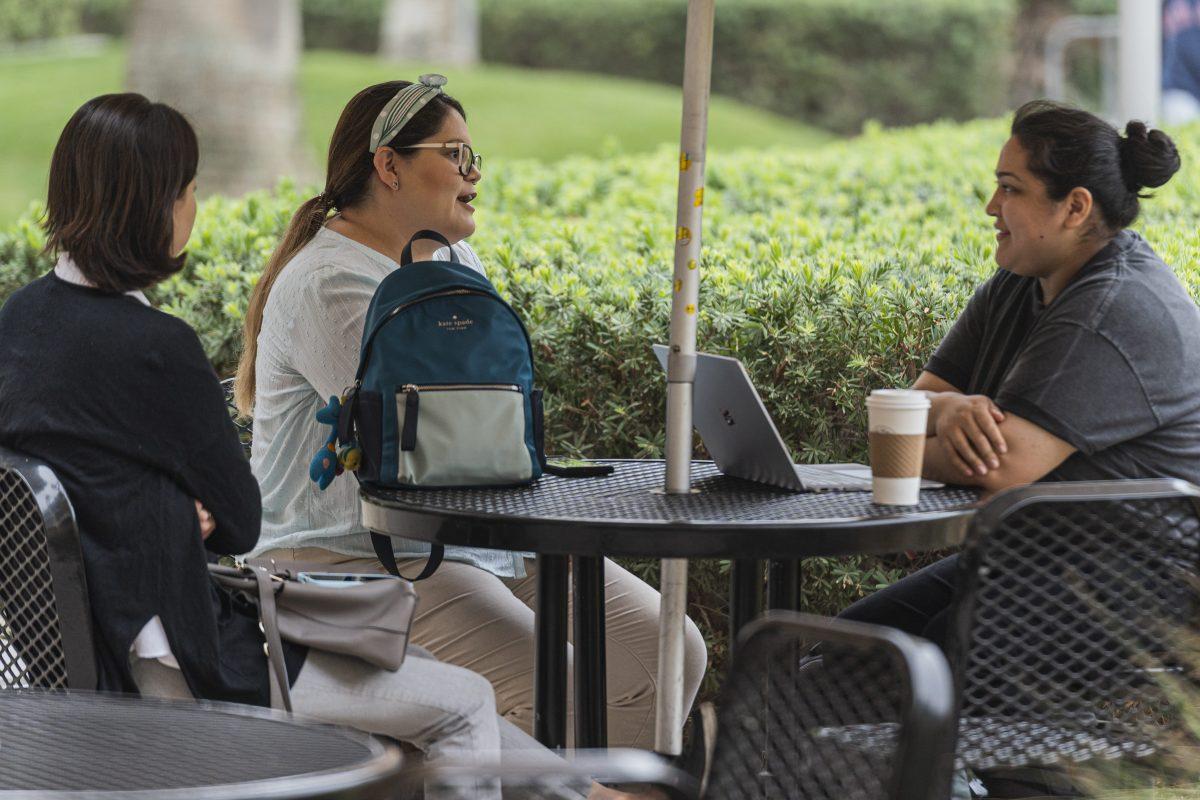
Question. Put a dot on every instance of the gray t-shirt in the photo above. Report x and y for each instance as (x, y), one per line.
(1111, 366)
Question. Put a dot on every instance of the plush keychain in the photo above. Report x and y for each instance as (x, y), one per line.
(329, 462)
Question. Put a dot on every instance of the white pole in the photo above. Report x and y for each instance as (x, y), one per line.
(681, 361)
(1139, 61)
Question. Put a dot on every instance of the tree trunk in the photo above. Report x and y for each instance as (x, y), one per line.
(230, 67)
(1035, 18)
(431, 31)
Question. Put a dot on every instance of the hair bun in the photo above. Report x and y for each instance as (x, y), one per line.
(1148, 157)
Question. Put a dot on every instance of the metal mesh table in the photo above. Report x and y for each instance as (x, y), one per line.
(60, 744)
(626, 514)
(612, 515)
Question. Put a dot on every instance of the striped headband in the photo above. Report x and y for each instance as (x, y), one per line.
(403, 107)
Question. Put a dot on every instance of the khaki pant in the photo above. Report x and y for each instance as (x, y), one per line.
(469, 617)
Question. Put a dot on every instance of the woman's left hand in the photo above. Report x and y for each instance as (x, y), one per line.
(207, 523)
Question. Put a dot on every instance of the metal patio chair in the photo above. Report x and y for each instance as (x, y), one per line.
(1076, 607)
(822, 708)
(870, 718)
(46, 635)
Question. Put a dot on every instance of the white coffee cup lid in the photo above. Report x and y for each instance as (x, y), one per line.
(898, 398)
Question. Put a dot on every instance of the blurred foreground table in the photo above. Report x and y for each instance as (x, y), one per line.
(83, 745)
(627, 514)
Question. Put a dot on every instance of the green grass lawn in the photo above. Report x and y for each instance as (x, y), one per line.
(37, 96)
(513, 113)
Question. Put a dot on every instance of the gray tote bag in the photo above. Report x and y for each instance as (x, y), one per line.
(368, 617)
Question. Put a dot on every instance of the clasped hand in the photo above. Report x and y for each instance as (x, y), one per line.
(968, 428)
(207, 523)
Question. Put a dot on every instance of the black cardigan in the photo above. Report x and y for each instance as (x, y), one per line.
(120, 400)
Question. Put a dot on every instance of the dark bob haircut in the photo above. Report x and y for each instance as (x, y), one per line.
(117, 170)
(1070, 148)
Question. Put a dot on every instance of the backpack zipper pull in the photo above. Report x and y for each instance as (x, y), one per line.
(412, 399)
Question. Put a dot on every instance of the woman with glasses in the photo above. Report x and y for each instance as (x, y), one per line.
(401, 160)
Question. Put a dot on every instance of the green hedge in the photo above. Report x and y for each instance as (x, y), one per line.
(25, 20)
(342, 24)
(828, 273)
(331, 24)
(105, 16)
(832, 63)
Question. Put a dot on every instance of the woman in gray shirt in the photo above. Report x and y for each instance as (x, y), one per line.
(1076, 360)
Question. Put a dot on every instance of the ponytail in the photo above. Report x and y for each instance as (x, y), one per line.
(307, 220)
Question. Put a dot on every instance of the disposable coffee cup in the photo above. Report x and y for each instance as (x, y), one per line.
(896, 430)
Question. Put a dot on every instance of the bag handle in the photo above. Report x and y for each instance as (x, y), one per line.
(406, 253)
(281, 696)
(383, 550)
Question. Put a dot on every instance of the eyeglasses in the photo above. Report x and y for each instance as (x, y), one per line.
(466, 157)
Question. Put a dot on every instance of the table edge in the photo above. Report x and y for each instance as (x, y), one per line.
(932, 530)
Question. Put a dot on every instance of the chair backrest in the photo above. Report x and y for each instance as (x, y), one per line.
(819, 708)
(46, 635)
(1072, 600)
(244, 425)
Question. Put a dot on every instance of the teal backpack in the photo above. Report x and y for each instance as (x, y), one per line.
(444, 392)
(444, 395)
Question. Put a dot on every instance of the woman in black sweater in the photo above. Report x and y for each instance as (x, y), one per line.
(120, 400)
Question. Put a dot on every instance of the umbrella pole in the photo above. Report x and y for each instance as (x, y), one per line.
(681, 362)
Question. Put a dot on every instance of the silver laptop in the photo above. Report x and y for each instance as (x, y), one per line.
(741, 436)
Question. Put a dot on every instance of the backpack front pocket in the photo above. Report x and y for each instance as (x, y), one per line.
(461, 434)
